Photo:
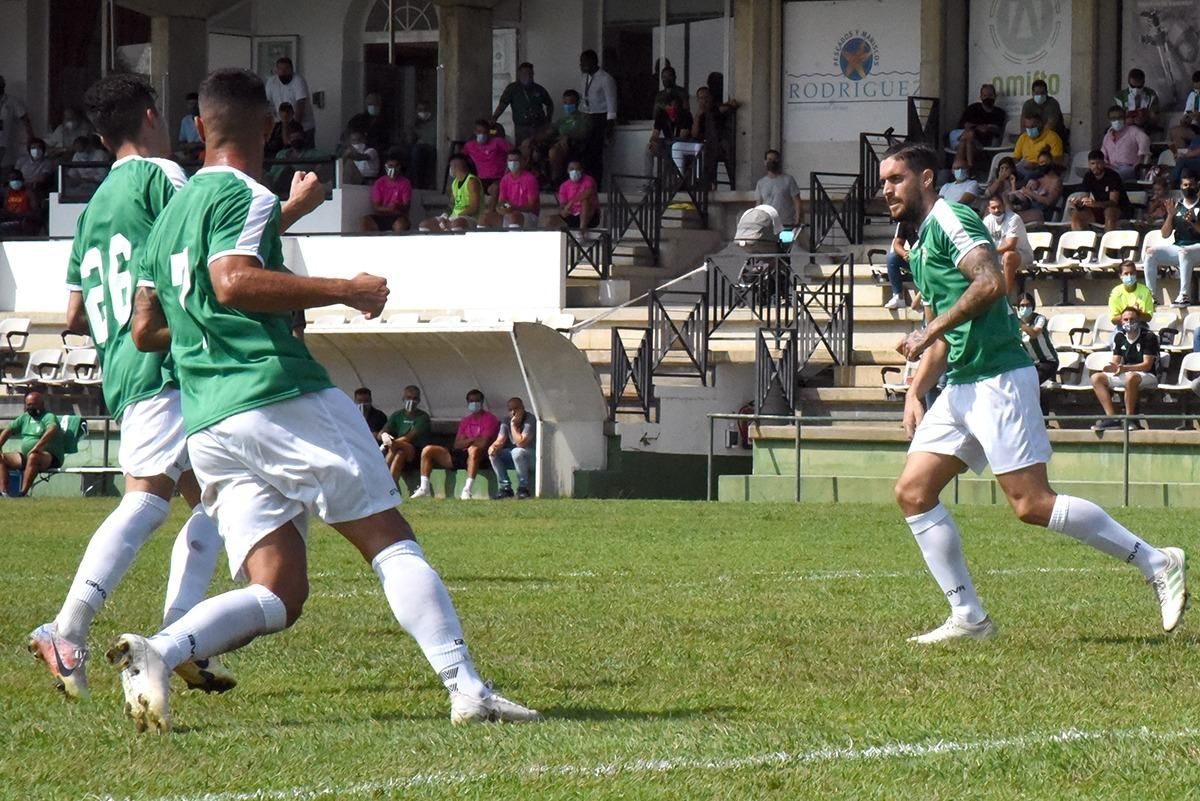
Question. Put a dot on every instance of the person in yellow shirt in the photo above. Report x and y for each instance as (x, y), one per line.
(1130, 293)
(1030, 144)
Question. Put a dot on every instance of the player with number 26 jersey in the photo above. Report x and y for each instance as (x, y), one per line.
(108, 239)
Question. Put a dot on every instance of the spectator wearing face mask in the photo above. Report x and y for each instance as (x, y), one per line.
(981, 125)
(466, 199)
(519, 203)
(1036, 339)
(405, 434)
(375, 418)
(1139, 101)
(74, 124)
(1012, 241)
(1104, 199)
(288, 86)
(296, 150)
(1041, 192)
(190, 144)
(532, 106)
(489, 152)
(572, 135)
(41, 445)
(476, 431)
(37, 170)
(371, 124)
(963, 189)
(779, 190)
(360, 163)
(1033, 140)
(670, 90)
(278, 139)
(1183, 222)
(391, 197)
(672, 123)
(1132, 369)
(14, 119)
(1125, 146)
(1006, 179)
(1047, 105)
(578, 200)
(1130, 294)
(513, 450)
(21, 215)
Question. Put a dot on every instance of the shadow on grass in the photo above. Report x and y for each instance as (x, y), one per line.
(597, 714)
(1179, 640)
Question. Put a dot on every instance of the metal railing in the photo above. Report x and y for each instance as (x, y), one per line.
(827, 315)
(631, 372)
(688, 335)
(766, 288)
(800, 422)
(871, 147)
(835, 206)
(691, 182)
(924, 120)
(592, 251)
(771, 369)
(641, 216)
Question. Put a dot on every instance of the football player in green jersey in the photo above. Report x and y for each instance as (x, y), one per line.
(271, 440)
(989, 413)
(139, 389)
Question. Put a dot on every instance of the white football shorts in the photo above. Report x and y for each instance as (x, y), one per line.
(153, 440)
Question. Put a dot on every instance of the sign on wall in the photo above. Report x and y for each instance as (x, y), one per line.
(849, 66)
(1162, 37)
(1016, 42)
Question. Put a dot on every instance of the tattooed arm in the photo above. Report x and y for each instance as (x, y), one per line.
(987, 286)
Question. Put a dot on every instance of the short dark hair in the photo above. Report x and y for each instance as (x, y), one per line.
(478, 392)
(1124, 264)
(231, 101)
(571, 93)
(1137, 75)
(997, 196)
(286, 105)
(394, 154)
(1115, 107)
(514, 151)
(1027, 297)
(362, 391)
(116, 106)
(769, 151)
(486, 123)
(1039, 82)
(191, 96)
(917, 155)
(1035, 115)
(284, 60)
(1189, 174)
(589, 55)
(524, 65)
(1095, 155)
(36, 141)
(470, 165)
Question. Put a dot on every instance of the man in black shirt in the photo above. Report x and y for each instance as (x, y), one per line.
(375, 418)
(1133, 366)
(982, 125)
(1105, 198)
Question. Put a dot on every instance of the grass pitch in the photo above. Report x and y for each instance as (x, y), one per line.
(678, 650)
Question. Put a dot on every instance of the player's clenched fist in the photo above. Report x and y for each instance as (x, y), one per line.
(367, 293)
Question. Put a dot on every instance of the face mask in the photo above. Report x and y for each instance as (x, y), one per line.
(773, 165)
(513, 166)
(1190, 193)
(35, 153)
(372, 110)
(995, 217)
(481, 138)
(16, 185)
(36, 414)
(286, 81)
(988, 102)
(1025, 312)
(391, 171)
(960, 174)
(1129, 280)
(363, 407)
(1133, 330)
(1039, 99)
(424, 116)
(1032, 133)
(574, 175)
(475, 407)
(569, 108)
(1135, 90)
(409, 404)
(1116, 125)
(359, 147)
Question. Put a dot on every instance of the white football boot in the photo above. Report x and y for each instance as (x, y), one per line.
(495, 708)
(1170, 588)
(66, 660)
(146, 682)
(207, 675)
(958, 630)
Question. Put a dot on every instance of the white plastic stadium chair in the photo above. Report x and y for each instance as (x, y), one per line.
(13, 333)
(78, 366)
(1115, 247)
(1041, 243)
(1168, 318)
(1183, 343)
(1078, 168)
(1073, 250)
(1098, 337)
(44, 365)
(1060, 326)
(1094, 363)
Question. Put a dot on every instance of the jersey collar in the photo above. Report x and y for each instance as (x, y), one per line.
(125, 160)
(929, 216)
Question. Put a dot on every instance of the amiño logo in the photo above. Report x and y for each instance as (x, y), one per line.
(1025, 30)
(857, 55)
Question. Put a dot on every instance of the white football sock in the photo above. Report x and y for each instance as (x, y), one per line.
(193, 560)
(109, 554)
(467, 485)
(940, 544)
(425, 483)
(1091, 525)
(423, 608)
(221, 624)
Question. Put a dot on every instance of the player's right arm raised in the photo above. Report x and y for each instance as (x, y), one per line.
(239, 282)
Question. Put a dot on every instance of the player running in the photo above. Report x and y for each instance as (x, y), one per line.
(271, 439)
(139, 389)
(989, 412)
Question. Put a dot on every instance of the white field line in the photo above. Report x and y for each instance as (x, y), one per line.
(641, 767)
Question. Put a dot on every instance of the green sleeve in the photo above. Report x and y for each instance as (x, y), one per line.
(391, 426)
(15, 425)
(247, 224)
(74, 276)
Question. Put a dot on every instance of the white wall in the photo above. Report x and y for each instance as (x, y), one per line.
(553, 39)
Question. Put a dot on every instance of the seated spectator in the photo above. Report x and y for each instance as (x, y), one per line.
(37, 170)
(570, 136)
(672, 123)
(1125, 146)
(289, 86)
(375, 418)
(466, 199)
(670, 90)
(532, 106)
(83, 181)
(1036, 338)
(489, 151)
(1133, 367)
(1033, 140)
(1047, 105)
(391, 197)
(963, 189)
(22, 213)
(578, 200)
(1156, 204)
(406, 433)
(476, 432)
(1012, 242)
(1189, 125)
(779, 190)
(74, 124)
(1182, 221)
(1105, 199)
(278, 139)
(981, 125)
(189, 143)
(280, 175)
(513, 450)
(360, 164)
(1187, 158)
(1130, 294)
(519, 203)
(897, 261)
(708, 131)
(1139, 101)
(41, 446)
(1006, 180)
(1040, 195)
(370, 123)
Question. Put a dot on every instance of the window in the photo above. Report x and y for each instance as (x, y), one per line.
(407, 15)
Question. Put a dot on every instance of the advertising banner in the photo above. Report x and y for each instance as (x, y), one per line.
(1016, 42)
(1162, 37)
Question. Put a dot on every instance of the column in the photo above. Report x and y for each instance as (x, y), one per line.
(465, 53)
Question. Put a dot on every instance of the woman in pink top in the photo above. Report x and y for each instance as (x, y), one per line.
(579, 205)
(520, 201)
(391, 195)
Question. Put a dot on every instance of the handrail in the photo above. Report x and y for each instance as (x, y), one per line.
(827, 316)
(643, 216)
(604, 315)
(635, 371)
(595, 252)
(825, 214)
(672, 181)
(871, 147)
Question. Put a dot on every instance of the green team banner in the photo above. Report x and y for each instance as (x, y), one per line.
(1016, 42)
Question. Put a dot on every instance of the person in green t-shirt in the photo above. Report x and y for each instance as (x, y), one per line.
(569, 137)
(405, 433)
(989, 413)
(270, 438)
(41, 445)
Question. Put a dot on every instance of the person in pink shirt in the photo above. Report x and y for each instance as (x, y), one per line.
(476, 432)
(488, 150)
(1125, 146)
(520, 201)
(579, 204)
(391, 195)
